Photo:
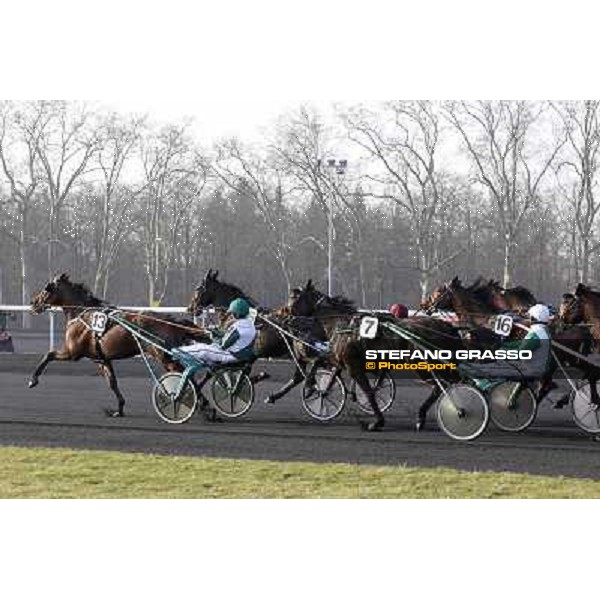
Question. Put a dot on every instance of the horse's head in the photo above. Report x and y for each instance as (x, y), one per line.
(308, 302)
(570, 310)
(54, 293)
(303, 302)
(441, 298)
(212, 292)
(206, 293)
(589, 300)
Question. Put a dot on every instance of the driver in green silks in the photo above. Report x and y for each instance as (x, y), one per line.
(537, 341)
(235, 344)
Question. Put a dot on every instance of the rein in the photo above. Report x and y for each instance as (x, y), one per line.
(87, 309)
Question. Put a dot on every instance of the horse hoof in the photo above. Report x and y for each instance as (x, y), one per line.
(259, 377)
(374, 426)
(420, 425)
(561, 403)
(113, 414)
(269, 400)
(32, 383)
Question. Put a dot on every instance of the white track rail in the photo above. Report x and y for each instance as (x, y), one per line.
(15, 308)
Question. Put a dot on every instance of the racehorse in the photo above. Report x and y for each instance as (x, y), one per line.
(270, 342)
(477, 305)
(517, 300)
(79, 305)
(347, 349)
(467, 303)
(583, 306)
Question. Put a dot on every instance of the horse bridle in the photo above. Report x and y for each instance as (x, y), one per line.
(571, 303)
(433, 306)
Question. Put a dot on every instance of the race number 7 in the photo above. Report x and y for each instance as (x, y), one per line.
(368, 327)
(503, 325)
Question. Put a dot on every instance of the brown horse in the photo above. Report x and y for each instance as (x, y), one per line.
(79, 304)
(467, 303)
(583, 306)
(270, 342)
(517, 300)
(347, 349)
(477, 305)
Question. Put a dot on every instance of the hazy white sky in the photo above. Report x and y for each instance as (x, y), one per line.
(215, 116)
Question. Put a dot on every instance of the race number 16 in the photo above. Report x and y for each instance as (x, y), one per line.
(368, 327)
(503, 325)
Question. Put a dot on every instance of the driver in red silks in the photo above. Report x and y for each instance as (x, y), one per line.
(400, 311)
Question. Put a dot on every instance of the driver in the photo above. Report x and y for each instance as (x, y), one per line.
(537, 340)
(400, 311)
(236, 343)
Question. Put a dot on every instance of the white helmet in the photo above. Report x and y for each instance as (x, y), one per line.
(539, 313)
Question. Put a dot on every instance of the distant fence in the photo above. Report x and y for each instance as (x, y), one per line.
(10, 308)
(51, 315)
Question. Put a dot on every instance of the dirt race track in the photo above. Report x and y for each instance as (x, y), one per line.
(66, 410)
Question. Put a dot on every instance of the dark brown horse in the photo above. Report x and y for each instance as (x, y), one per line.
(78, 305)
(517, 300)
(270, 342)
(476, 305)
(467, 303)
(347, 348)
(583, 306)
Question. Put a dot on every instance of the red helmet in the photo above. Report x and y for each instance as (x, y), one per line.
(399, 311)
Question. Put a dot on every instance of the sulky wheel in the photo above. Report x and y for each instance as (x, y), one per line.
(232, 393)
(586, 414)
(170, 406)
(462, 412)
(384, 389)
(324, 395)
(513, 406)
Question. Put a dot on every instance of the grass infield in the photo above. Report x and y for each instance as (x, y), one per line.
(58, 473)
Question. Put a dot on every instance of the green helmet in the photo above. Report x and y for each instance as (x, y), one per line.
(239, 308)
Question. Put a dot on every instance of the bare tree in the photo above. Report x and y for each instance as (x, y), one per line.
(498, 139)
(174, 177)
(302, 149)
(113, 214)
(401, 141)
(251, 176)
(20, 132)
(65, 147)
(576, 175)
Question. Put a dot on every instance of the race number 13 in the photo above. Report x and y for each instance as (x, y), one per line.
(503, 325)
(368, 327)
(99, 322)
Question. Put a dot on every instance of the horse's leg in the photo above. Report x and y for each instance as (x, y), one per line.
(424, 408)
(546, 383)
(48, 358)
(111, 378)
(365, 385)
(593, 380)
(297, 378)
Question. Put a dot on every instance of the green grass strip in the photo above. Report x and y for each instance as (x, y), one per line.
(62, 473)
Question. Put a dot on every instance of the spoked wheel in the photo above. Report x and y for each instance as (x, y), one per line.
(384, 390)
(324, 398)
(169, 406)
(586, 414)
(232, 393)
(513, 406)
(462, 412)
